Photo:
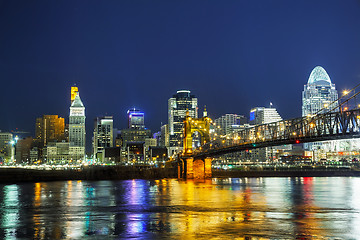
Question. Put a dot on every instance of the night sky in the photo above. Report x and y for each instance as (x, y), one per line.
(233, 55)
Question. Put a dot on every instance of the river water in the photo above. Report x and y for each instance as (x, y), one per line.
(232, 208)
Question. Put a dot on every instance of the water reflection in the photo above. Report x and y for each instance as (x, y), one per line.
(242, 208)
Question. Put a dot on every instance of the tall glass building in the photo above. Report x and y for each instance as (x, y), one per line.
(178, 105)
(136, 119)
(319, 96)
(103, 136)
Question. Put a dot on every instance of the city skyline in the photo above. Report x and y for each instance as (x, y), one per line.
(230, 59)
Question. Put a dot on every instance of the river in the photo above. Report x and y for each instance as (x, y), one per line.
(229, 208)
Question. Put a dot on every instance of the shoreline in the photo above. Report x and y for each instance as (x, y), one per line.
(286, 173)
(98, 173)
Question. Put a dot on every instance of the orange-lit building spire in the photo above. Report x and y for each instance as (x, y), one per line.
(74, 90)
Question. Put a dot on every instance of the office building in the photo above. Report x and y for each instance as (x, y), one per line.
(77, 132)
(136, 119)
(165, 135)
(319, 94)
(136, 131)
(183, 101)
(49, 128)
(23, 147)
(131, 135)
(224, 124)
(103, 136)
(259, 116)
(6, 147)
(263, 115)
(63, 153)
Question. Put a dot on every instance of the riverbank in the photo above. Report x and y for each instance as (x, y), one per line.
(287, 173)
(14, 175)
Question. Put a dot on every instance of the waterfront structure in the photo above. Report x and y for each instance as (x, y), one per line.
(181, 103)
(225, 123)
(77, 132)
(6, 147)
(103, 136)
(49, 128)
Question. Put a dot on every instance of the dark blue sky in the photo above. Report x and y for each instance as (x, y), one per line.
(233, 55)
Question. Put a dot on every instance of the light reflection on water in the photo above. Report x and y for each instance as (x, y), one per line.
(242, 208)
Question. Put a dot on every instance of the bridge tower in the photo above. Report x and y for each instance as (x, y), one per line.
(190, 167)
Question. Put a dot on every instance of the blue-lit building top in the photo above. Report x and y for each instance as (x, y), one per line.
(136, 119)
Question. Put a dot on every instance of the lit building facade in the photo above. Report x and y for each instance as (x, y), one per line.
(49, 128)
(103, 136)
(63, 153)
(319, 94)
(164, 139)
(74, 91)
(134, 135)
(263, 115)
(6, 147)
(77, 132)
(224, 124)
(178, 105)
(136, 119)
(23, 148)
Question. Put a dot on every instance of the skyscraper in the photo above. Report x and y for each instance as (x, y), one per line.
(136, 119)
(136, 131)
(178, 105)
(319, 96)
(263, 115)
(49, 128)
(77, 131)
(319, 93)
(6, 147)
(226, 122)
(103, 135)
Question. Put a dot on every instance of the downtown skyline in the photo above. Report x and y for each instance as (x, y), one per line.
(232, 57)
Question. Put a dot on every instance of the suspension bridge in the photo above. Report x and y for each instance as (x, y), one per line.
(338, 120)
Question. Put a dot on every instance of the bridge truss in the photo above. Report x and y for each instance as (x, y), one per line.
(333, 122)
